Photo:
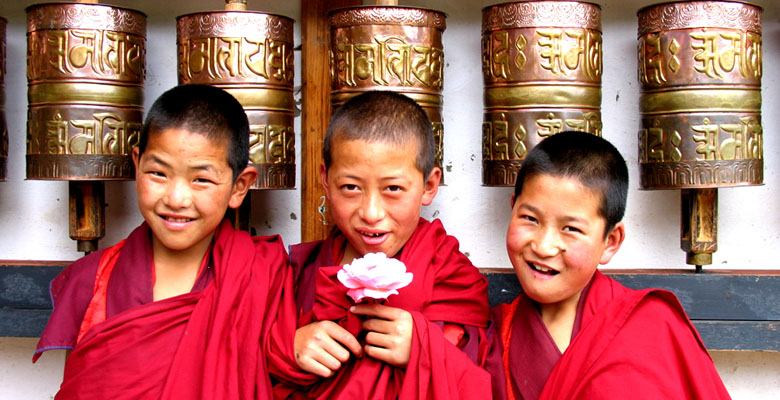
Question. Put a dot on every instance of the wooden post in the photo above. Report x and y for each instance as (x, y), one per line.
(315, 32)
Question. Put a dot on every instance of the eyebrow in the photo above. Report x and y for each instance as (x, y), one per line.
(566, 218)
(203, 167)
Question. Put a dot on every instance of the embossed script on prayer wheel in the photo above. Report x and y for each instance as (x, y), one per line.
(700, 74)
(3, 125)
(85, 72)
(250, 55)
(390, 48)
(542, 65)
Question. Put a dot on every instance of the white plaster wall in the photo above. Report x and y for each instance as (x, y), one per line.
(33, 214)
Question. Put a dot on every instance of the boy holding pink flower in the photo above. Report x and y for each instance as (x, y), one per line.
(402, 317)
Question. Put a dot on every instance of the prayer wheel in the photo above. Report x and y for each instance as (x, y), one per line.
(250, 55)
(391, 48)
(542, 66)
(3, 125)
(85, 72)
(700, 105)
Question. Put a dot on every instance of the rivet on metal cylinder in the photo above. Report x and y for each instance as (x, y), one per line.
(390, 48)
(700, 105)
(3, 124)
(85, 74)
(542, 66)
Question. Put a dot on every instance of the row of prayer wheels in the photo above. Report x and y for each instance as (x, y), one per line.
(699, 71)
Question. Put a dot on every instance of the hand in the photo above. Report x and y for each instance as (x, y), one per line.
(389, 336)
(322, 347)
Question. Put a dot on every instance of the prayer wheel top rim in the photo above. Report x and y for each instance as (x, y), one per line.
(31, 6)
(125, 19)
(345, 17)
(260, 13)
(509, 16)
(281, 30)
(733, 14)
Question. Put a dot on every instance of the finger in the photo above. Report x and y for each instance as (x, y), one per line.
(379, 325)
(376, 310)
(341, 335)
(380, 340)
(312, 365)
(382, 354)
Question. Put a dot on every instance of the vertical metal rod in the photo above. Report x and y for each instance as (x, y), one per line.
(87, 217)
(699, 225)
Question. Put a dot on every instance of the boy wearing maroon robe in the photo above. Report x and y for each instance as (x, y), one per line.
(574, 333)
(182, 308)
(378, 172)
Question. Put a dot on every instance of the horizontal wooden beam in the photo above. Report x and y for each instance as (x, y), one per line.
(732, 309)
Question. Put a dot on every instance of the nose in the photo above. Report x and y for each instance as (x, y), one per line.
(547, 243)
(178, 195)
(372, 208)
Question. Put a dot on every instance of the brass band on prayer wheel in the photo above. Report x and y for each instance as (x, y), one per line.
(250, 55)
(85, 72)
(700, 105)
(3, 124)
(390, 48)
(542, 66)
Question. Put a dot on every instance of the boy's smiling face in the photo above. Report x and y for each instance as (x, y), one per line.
(376, 194)
(556, 238)
(184, 186)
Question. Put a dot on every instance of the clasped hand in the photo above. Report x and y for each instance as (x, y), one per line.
(322, 347)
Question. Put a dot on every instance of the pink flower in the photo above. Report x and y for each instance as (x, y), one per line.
(374, 276)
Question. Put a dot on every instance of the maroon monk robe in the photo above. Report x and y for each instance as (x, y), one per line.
(625, 344)
(446, 288)
(206, 344)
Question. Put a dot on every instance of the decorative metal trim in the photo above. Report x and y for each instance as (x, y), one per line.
(389, 15)
(531, 14)
(699, 14)
(85, 16)
(235, 24)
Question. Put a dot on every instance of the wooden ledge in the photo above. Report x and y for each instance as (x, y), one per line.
(732, 309)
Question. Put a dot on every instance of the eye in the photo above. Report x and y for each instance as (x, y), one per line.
(569, 228)
(528, 218)
(395, 188)
(156, 173)
(204, 180)
(349, 187)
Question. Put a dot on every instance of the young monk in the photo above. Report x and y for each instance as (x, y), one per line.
(574, 333)
(421, 343)
(181, 309)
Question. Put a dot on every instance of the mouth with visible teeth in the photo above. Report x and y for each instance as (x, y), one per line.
(372, 235)
(542, 270)
(177, 219)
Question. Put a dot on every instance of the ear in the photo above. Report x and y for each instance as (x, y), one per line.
(613, 241)
(512, 201)
(431, 186)
(324, 180)
(241, 186)
(136, 155)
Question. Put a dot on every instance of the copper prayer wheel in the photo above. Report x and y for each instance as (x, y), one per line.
(542, 66)
(700, 78)
(700, 75)
(391, 48)
(3, 124)
(250, 55)
(85, 74)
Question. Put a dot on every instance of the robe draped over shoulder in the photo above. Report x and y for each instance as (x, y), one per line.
(626, 343)
(446, 289)
(210, 343)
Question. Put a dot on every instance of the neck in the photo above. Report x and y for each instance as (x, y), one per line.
(559, 320)
(176, 270)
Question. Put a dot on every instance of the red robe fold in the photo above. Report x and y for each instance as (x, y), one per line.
(446, 288)
(636, 344)
(207, 344)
